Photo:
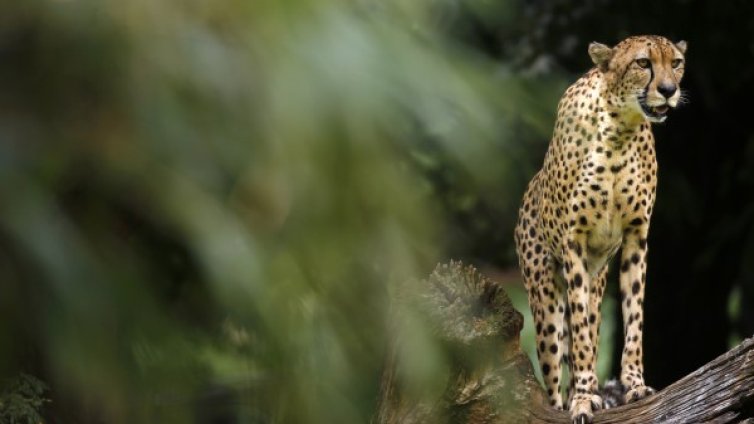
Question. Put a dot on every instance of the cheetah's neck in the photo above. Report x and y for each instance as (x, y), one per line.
(619, 117)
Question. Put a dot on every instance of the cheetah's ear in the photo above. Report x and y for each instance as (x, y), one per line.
(600, 54)
(681, 45)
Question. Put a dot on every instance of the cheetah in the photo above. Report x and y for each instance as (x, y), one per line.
(593, 197)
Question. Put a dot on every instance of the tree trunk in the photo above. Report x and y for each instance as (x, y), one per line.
(490, 380)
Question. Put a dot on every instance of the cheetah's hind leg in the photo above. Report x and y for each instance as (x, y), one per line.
(547, 301)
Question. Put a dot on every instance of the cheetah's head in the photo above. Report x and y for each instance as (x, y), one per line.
(643, 74)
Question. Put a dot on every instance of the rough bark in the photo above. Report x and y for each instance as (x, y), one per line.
(490, 380)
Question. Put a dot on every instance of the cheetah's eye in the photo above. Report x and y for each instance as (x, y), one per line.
(676, 63)
(643, 63)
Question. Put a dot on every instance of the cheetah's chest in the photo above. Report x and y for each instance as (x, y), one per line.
(610, 197)
(604, 239)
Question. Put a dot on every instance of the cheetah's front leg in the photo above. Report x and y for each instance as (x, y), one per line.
(633, 271)
(583, 378)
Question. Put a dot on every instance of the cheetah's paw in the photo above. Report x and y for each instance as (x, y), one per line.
(583, 407)
(638, 392)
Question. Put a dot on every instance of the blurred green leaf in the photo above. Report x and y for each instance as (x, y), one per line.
(205, 203)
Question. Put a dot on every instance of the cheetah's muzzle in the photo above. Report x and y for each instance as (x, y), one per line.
(656, 112)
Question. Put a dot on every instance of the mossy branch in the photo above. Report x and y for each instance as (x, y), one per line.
(490, 380)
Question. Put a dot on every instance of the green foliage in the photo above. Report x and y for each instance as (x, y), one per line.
(205, 204)
(22, 400)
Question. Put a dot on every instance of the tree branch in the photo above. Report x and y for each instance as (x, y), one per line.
(491, 381)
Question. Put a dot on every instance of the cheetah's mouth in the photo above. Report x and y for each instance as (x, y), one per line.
(655, 113)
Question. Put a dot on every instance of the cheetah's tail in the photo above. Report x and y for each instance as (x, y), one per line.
(612, 394)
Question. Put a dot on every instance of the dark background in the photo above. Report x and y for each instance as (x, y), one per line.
(205, 207)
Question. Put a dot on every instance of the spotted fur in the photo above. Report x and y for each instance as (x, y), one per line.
(593, 197)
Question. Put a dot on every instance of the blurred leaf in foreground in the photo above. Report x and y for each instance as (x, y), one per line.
(203, 198)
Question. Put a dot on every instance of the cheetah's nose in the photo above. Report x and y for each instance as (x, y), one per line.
(667, 90)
